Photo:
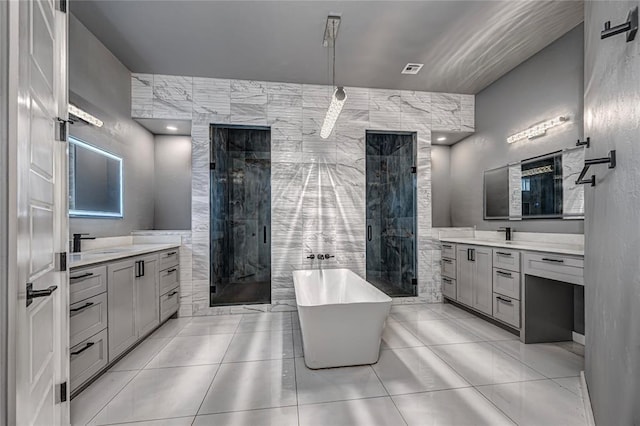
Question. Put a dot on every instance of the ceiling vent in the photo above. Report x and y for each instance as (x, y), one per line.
(412, 68)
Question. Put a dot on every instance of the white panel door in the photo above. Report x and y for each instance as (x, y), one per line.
(41, 326)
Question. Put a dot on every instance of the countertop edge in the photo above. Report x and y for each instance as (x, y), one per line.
(516, 246)
(108, 257)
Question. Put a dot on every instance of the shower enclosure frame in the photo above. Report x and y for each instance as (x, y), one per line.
(213, 169)
(414, 192)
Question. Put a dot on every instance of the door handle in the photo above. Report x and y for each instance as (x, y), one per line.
(264, 234)
(369, 232)
(32, 294)
(87, 346)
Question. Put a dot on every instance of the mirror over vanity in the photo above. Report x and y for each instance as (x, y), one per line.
(542, 187)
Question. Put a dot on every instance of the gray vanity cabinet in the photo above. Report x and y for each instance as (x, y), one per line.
(475, 277)
(147, 294)
(122, 306)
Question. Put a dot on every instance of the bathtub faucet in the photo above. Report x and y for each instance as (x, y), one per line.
(311, 256)
(320, 256)
(328, 256)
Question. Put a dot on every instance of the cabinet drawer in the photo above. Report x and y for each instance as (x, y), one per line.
(169, 259)
(506, 283)
(449, 288)
(506, 259)
(506, 310)
(87, 318)
(169, 303)
(87, 359)
(449, 250)
(87, 282)
(555, 267)
(449, 268)
(169, 279)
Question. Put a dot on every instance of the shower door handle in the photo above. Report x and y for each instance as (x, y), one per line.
(264, 234)
(369, 232)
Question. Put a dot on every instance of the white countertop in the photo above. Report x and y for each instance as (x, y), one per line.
(557, 248)
(91, 257)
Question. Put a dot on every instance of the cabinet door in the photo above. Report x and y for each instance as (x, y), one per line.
(483, 279)
(147, 295)
(121, 307)
(464, 273)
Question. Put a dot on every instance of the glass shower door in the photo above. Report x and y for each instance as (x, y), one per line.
(391, 212)
(240, 226)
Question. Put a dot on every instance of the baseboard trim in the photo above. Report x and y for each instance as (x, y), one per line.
(586, 400)
(578, 338)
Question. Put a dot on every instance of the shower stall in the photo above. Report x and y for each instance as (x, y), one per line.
(240, 215)
(391, 212)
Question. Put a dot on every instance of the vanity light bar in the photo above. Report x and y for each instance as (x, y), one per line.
(538, 129)
(84, 116)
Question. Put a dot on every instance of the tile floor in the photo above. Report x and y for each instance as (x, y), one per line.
(439, 365)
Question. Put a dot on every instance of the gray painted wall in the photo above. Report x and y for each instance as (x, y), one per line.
(612, 282)
(547, 85)
(441, 185)
(172, 182)
(101, 85)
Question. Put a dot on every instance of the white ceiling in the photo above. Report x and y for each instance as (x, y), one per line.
(465, 45)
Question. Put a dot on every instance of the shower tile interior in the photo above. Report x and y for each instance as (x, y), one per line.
(317, 186)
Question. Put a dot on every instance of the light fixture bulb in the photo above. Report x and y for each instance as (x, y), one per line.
(441, 139)
(537, 130)
(337, 102)
(172, 128)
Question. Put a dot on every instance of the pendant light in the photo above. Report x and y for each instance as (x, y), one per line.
(339, 96)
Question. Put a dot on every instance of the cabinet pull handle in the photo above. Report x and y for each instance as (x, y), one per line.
(81, 308)
(142, 267)
(264, 234)
(171, 253)
(447, 260)
(87, 346)
(546, 259)
(173, 293)
(171, 271)
(446, 280)
(501, 253)
(504, 274)
(446, 246)
(502, 299)
(78, 277)
(369, 232)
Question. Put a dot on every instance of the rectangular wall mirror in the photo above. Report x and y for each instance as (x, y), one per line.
(95, 181)
(537, 188)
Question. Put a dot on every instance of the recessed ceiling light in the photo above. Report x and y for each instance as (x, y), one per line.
(441, 139)
(411, 68)
(172, 128)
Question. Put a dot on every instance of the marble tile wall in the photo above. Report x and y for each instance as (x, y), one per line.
(317, 186)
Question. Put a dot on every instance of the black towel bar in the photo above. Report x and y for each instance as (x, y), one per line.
(630, 27)
(611, 160)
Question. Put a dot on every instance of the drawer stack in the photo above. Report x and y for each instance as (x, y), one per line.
(449, 270)
(169, 283)
(506, 286)
(87, 323)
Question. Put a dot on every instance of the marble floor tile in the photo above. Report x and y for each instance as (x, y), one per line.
(141, 355)
(570, 383)
(192, 350)
(396, 335)
(217, 324)
(281, 416)
(86, 405)
(260, 345)
(414, 313)
(547, 358)
(486, 330)
(265, 322)
(175, 421)
(170, 328)
(457, 407)
(411, 370)
(441, 332)
(336, 384)
(251, 385)
(541, 402)
(357, 412)
(298, 350)
(450, 311)
(159, 394)
(482, 364)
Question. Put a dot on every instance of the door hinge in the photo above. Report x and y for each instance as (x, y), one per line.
(62, 129)
(61, 261)
(62, 393)
(414, 169)
(63, 6)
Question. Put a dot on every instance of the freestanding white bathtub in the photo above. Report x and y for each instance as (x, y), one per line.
(341, 317)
